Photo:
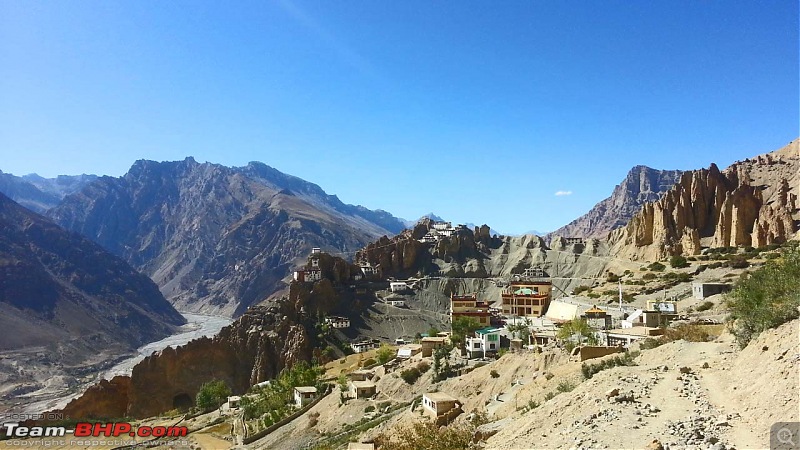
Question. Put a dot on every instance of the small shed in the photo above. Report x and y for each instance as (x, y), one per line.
(703, 290)
(234, 401)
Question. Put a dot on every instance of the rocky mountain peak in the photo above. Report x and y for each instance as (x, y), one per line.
(641, 185)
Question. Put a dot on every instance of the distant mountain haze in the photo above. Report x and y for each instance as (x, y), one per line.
(40, 194)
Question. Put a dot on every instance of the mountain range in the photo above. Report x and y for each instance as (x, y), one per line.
(217, 239)
(66, 303)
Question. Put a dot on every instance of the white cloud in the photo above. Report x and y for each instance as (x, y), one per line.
(562, 193)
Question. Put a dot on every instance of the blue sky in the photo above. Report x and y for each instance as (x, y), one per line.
(477, 111)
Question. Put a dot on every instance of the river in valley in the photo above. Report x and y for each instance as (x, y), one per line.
(197, 326)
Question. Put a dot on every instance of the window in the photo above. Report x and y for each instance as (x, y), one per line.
(492, 337)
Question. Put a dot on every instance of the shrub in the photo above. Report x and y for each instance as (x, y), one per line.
(657, 267)
(687, 332)
(649, 276)
(411, 375)
(627, 359)
(738, 262)
(766, 298)
(581, 289)
(427, 435)
(705, 306)
(565, 386)
(549, 396)
(678, 261)
(650, 343)
(423, 367)
(494, 373)
(369, 408)
(612, 277)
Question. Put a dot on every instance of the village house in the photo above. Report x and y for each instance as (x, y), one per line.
(470, 306)
(338, 322)
(437, 404)
(486, 340)
(431, 343)
(362, 389)
(398, 286)
(527, 298)
(396, 302)
(304, 395)
(363, 346)
(307, 275)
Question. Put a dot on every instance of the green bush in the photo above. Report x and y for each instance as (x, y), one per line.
(612, 277)
(766, 298)
(423, 367)
(705, 306)
(494, 373)
(650, 343)
(657, 267)
(627, 359)
(565, 386)
(385, 353)
(738, 262)
(549, 396)
(581, 289)
(678, 261)
(649, 276)
(411, 375)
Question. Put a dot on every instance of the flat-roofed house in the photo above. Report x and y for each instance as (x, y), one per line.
(429, 344)
(304, 395)
(439, 404)
(363, 389)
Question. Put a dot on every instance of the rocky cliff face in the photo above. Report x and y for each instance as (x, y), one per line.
(215, 239)
(40, 194)
(642, 185)
(254, 348)
(751, 203)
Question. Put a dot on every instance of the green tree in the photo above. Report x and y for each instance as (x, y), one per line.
(212, 394)
(385, 353)
(766, 298)
(433, 331)
(521, 330)
(576, 328)
(462, 327)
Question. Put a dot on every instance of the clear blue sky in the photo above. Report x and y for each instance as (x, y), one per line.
(477, 111)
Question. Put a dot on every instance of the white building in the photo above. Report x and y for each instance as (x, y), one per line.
(398, 286)
(304, 395)
(485, 340)
(338, 322)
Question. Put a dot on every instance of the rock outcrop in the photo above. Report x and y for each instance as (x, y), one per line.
(254, 348)
(642, 185)
(751, 203)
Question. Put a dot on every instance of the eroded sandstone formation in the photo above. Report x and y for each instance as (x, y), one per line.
(751, 203)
